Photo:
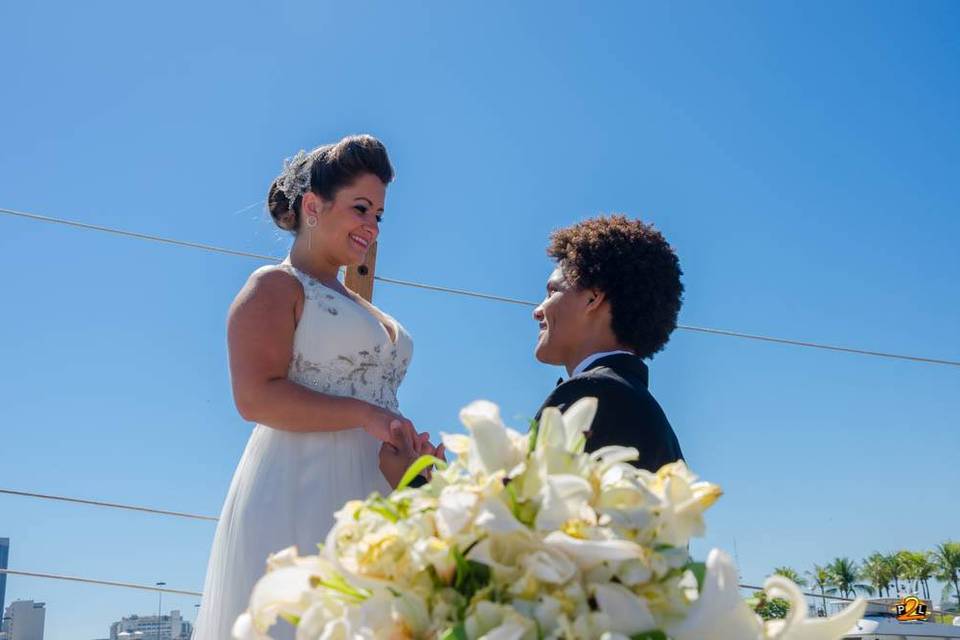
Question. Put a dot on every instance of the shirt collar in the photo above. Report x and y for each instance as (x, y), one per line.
(593, 357)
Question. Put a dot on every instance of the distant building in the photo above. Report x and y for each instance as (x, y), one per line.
(24, 620)
(4, 557)
(134, 627)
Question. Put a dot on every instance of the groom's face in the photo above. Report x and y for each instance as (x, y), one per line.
(562, 320)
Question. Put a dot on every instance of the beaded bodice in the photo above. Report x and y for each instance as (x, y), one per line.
(341, 348)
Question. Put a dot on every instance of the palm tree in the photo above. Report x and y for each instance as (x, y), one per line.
(790, 574)
(926, 569)
(876, 571)
(845, 573)
(919, 568)
(896, 565)
(821, 578)
(946, 557)
(909, 563)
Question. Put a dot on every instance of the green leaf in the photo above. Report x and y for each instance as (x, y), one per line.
(384, 511)
(454, 633)
(419, 465)
(403, 508)
(338, 584)
(470, 576)
(700, 571)
(435, 577)
(534, 432)
(654, 634)
(523, 511)
(472, 545)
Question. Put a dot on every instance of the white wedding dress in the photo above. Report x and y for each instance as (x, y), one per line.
(288, 484)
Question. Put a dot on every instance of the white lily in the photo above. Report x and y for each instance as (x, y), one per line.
(325, 618)
(495, 517)
(573, 546)
(685, 501)
(456, 510)
(491, 621)
(550, 566)
(410, 612)
(279, 592)
(628, 613)
(549, 615)
(719, 612)
(493, 447)
(561, 437)
(611, 455)
(567, 430)
(562, 497)
(722, 614)
(588, 553)
(503, 553)
(797, 626)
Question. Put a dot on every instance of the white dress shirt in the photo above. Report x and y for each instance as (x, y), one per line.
(586, 362)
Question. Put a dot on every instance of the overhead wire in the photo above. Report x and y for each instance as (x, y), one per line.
(473, 294)
(111, 505)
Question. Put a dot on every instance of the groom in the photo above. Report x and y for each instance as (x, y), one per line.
(612, 302)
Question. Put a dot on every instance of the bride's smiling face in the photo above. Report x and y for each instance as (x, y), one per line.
(344, 228)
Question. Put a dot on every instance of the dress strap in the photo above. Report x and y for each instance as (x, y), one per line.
(287, 266)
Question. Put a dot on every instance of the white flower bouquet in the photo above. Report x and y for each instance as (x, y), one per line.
(524, 537)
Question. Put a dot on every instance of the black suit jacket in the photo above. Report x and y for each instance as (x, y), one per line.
(627, 415)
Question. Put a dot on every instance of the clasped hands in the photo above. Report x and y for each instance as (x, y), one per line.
(401, 445)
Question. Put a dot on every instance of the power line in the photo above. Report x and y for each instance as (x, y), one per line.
(109, 583)
(474, 294)
(460, 292)
(134, 234)
(111, 505)
(248, 207)
(818, 345)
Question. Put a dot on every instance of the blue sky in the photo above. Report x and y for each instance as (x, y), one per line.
(801, 157)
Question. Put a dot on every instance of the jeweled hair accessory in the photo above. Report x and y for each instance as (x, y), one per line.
(295, 178)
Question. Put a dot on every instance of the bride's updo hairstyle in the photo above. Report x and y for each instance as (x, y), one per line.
(328, 168)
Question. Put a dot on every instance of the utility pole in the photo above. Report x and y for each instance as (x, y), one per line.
(360, 277)
(159, 606)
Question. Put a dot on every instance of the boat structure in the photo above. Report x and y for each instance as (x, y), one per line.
(886, 619)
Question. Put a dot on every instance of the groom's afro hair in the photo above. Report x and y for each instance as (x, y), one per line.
(634, 265)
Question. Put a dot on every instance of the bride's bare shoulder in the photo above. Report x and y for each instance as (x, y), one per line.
(270, 285)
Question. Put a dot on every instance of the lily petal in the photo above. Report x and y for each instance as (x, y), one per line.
(719, 613)
(562, 497)
(628, 613)
(577, 420)
(797, 626)
(589, 553)
(492, 448)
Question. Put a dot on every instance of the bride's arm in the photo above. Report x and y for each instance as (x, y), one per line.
(260, 328)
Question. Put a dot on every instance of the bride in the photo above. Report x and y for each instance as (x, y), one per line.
(317, 368)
